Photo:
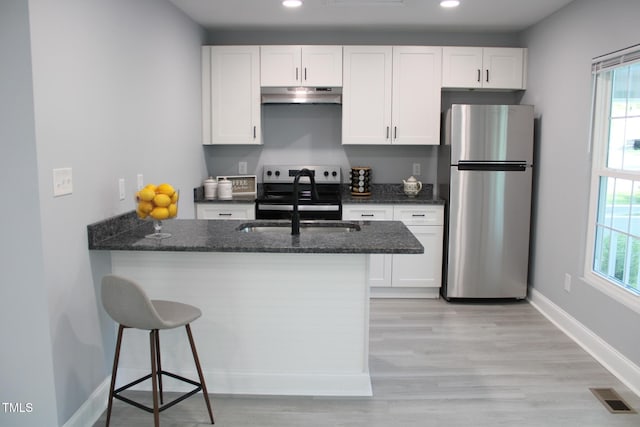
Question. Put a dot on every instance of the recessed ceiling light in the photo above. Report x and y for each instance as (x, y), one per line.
(450, 3)
(292, 3)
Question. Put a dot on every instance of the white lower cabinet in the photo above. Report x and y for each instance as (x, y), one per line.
(379, 264)
(404, 275)
(225, 211)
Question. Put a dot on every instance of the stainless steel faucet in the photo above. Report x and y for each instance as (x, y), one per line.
(295, 217)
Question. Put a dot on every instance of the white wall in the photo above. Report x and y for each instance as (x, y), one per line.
(560, 52)
(26, 369)
(116, 89)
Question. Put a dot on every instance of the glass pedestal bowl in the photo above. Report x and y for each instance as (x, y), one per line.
(157, 203)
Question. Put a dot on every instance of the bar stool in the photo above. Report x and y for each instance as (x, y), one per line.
(127, 303)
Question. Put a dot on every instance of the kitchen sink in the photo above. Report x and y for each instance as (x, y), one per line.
(305, 227)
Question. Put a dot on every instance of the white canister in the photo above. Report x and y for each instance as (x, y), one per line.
(225, 189)
(210, 188)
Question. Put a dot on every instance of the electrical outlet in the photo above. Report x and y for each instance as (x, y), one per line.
(567, 282)
(121, 189)
(242, 168)
(416, 169)
(140, 182)
(62, 182)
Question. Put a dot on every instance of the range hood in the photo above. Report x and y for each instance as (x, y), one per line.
(301, 95)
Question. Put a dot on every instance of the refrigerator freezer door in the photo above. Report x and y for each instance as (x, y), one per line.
(491, 133)
(489, 216)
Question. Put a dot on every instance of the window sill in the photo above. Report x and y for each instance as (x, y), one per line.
(618, 293)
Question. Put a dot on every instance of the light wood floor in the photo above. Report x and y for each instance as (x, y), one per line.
(438, 364)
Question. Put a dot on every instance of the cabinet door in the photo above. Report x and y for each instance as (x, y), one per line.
(503, 68)
(280, 66)
(366, 96)
(231, 95)
(420, 270)
(322, 66)
(461, 67)
(417, 75)
(225, 211)
(379, 264)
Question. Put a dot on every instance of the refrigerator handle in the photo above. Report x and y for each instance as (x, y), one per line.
(480, 166)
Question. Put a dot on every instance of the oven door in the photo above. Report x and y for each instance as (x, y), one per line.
(317, 211)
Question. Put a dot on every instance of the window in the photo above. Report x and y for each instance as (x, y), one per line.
(614, 254)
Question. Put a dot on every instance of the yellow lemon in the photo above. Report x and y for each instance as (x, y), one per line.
(165, 189)
(162, 200)
(141, 214)
(174, 198)
(159, 213)
(173, 210)
(146, 194)
(145, 206)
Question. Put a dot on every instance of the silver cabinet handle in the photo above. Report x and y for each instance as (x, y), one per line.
(367, 215)
(418, 215)
(254, 132)
(479, 75)
(487, 76)
(395, 132)
(305, 74)
(387, 132)
(224, 214)
(296, 73)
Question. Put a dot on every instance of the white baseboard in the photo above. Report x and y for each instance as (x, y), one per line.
(92, 408)
(615, 362)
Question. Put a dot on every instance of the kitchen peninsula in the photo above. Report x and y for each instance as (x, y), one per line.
(282, 314)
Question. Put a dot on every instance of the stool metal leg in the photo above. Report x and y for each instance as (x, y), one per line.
(114, 371)
(197, 361)
(158, 352)
(154, 377)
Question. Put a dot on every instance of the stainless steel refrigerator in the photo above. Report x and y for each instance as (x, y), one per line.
(485, 174)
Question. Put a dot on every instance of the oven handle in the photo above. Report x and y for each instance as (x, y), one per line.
(289, 208)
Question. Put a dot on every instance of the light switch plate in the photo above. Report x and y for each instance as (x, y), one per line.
(62, 182)
(416, 169)
(140, 182)
(242, 168)
(121, 189)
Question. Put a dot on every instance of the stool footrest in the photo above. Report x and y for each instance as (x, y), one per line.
(116, 393)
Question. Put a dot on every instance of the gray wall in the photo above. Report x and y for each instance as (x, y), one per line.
(312, 133)
(116, 92)
(560, 52)
(26, 367)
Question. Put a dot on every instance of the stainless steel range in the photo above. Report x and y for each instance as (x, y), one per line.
(277, 200)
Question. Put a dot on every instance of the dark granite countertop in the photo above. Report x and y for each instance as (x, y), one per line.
(380, 193)
(127, 233)
(392, 194)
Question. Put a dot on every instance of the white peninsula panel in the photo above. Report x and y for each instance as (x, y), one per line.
(272, 323)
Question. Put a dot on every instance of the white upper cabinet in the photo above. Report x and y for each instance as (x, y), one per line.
(312, 66)
(231, 95)
(486, 68)
(391, 95)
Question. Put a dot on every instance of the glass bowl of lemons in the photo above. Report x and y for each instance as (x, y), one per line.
(157, 202)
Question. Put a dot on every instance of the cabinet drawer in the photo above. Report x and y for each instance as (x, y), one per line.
(419, 215)
(367, 213)
(224, 211)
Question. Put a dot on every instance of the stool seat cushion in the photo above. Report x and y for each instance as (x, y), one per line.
(128, 304)
(175, 314)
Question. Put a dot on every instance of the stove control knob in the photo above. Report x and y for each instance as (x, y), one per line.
(334, 174)
(277, 173)
(326, 173)
(269, 173)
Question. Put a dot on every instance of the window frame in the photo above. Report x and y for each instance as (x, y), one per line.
(599, 145)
